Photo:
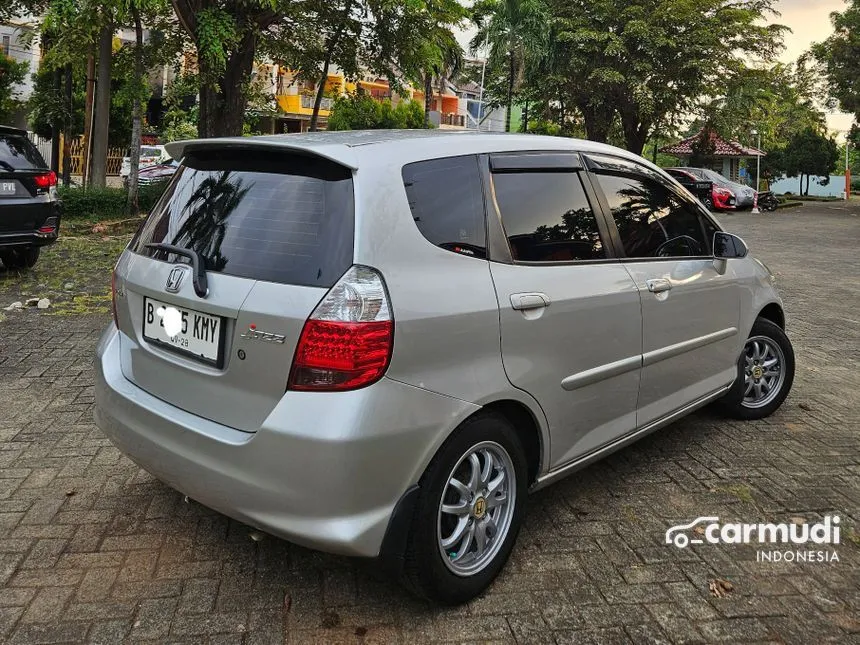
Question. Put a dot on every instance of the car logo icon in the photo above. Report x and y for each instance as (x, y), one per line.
(174, 279)
(676, 535)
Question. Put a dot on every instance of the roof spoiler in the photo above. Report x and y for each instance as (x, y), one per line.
(340, 154)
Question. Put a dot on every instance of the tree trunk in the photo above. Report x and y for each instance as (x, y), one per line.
(101, 119)
(598, 120)
(134, 153)
(223, 99)
(428, 97)
(88, 117)
(524, 126)
(510, 97)
(635, 129)
(320, 91)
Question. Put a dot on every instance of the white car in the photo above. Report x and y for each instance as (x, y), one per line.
(149, 156)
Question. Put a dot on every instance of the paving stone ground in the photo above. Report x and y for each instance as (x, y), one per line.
(92, 549)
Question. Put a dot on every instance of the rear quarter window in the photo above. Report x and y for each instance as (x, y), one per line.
(284, 218)
(18, 152)
(447, 203)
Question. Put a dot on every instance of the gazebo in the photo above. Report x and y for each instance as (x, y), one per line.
(727, 154)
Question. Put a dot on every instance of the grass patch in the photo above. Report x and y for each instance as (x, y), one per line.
(74, 274)
(740, 491)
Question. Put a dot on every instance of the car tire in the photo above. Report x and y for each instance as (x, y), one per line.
(768, 351)
(440, 576)
(20, 258)
(709, 204)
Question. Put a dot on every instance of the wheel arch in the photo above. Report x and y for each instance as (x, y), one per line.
(774, 313)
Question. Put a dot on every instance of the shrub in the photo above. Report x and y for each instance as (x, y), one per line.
(362, 112)
(106, 203)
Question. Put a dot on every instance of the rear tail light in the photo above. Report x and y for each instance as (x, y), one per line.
(346, 343)
(45, 181)
(49, 226)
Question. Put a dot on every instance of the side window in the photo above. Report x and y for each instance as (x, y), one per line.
(447, 202)
(547, 217)
(652, 221)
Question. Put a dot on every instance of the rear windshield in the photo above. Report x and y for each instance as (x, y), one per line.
(150, 152)
(252, 214)
(18, 152)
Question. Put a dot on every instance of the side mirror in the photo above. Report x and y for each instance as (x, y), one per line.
(728, 246)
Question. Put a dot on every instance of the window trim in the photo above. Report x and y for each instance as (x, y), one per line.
(643, 173)
(535, 161)
(496, 232)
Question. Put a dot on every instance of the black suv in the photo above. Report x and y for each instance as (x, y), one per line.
(29, 208)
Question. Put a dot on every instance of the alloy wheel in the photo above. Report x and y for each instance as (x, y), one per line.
(764, 372)
(476, 508)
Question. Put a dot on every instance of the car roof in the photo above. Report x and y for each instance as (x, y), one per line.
(348, 147)
(8, 129)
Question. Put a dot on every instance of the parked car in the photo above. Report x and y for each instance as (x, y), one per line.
(377, 343)
(744, 195)
(30, 211)
(149, 156)
(713, 197)
(157, 173)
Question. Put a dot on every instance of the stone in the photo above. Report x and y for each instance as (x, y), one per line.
(43, 303)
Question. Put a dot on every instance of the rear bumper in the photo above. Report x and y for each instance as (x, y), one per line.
(325, 470)
(19, 223)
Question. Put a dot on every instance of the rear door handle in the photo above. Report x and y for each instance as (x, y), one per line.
(524, 301)
(658, 285)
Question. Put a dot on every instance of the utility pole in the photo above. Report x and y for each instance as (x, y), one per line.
(755, 209)
(88, 116)
(847, 169)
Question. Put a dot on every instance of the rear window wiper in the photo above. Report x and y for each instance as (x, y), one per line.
(201, 285)
(7, 165)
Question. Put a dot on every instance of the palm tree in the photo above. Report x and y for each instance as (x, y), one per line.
(435, 52)
(517, 34)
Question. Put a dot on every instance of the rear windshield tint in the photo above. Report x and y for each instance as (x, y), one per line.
(251, 214)
(18, 152)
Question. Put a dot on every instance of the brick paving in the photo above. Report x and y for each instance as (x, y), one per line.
(92, 549)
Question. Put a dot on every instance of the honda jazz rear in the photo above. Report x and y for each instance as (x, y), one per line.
(377, 343)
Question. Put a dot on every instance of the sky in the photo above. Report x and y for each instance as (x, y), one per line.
(809, 21)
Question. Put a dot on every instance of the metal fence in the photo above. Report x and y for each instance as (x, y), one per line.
(76, 154)
(44, 146)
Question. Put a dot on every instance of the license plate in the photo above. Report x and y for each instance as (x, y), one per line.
(7, 187)
(199, 335)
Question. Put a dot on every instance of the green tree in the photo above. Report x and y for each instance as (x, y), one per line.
(517, 34)
(840, 56)
(329, 33)
(779, 102)
(429, 51)
(810, 153)
(11, 73)
(651, 61)
(225, 35)
(362, 112)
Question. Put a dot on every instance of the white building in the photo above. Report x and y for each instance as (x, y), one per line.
(19, 39)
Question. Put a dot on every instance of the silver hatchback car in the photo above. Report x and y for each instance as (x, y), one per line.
(377, 343)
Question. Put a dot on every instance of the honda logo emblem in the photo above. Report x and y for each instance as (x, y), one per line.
(174, 279)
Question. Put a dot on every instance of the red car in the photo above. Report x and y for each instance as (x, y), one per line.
(157, 173)
(721, 199)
